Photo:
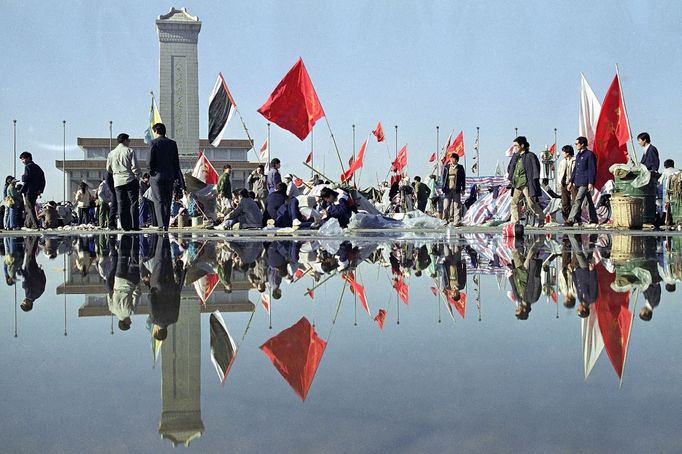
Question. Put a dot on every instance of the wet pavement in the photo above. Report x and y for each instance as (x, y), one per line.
(546, 343)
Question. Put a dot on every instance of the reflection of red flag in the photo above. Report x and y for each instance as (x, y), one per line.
(612, 134)
(309, 159)
(310, 292)
(296, 352)
(401, 160)
(294, 105)
(460, 305)
(434, 290)
(403, 289)
(358, 290)
(614, 318)
(380, 318)
(355, 164)
(433, 157)
(379, 133)
(204, 287)
(298, 273)
(265, 302)
(554, 296)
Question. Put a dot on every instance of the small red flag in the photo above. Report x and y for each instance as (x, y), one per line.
(298, 182)
(380, 318)
(552, 149)
(379, 133)
(460, 305)
(358, 290)
(612, 134)
(355, 164)
(401, 160)
(294, 105)
(265, 302)
(263, 152)
(298, 273)
(434, 290)
(309, 159)
(433, 157)
(403, 289)
(311, 293)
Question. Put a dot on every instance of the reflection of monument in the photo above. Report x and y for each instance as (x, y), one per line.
(181, 378)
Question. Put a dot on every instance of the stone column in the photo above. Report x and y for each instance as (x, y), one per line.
(179, 78)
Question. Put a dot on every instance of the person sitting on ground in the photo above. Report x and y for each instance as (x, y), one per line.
(292, 189)
(336, 207)
(49, 215)
(247, 212)
(274, 200)
(289, 215)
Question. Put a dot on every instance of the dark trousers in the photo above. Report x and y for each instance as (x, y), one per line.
(127, 198)
(566, 199)
(113, 212)
(421, 205)
(31, 220)
(163, 193)
(83, 217)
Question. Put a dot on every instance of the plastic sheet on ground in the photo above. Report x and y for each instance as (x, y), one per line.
(419, 220)
(643, 175)
(331, 228)
(372, 221)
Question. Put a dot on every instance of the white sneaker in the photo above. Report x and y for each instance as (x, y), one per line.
(591, 225)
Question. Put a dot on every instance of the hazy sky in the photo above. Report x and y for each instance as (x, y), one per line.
(496, 65)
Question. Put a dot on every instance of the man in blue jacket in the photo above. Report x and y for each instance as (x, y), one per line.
(34, 185)
(650, 158)
(336, 208)
(583, 178)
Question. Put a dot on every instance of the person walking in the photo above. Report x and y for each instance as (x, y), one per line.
(34, 185)
(564, 175)
(122, 164)
(83, 199)
(164, 170)
(423, 192)
(224, 184)
(454, 180)
(584, 175)
(524, 172)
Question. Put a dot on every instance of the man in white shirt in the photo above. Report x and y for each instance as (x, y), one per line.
(564, 176)
(122, 164)
(292, 189)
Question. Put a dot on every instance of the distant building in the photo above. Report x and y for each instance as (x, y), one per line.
(92, 167)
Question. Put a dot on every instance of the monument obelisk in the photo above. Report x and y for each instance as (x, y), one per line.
(179, 78)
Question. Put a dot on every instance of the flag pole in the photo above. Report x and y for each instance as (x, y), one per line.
(64, 156)
(627, 346)
(246, 130)
(318, 172)
(15, 147)
(622, 98)
(269, 146)
(336, 147)
(478, 145)
(355, 183)
(437, 167)
(396, 141)
(312, 158)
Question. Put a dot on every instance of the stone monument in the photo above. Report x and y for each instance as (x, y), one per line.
(179, 78)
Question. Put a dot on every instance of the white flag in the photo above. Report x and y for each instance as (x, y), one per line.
(590, 107)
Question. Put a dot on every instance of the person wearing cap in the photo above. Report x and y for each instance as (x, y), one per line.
(336, 208)
(122, 164)
(292, 189)
(224, 184)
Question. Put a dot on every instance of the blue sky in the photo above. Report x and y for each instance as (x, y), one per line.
(493, 64)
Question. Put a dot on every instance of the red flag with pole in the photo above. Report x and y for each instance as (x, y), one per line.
(379, 132)
(614, 318)
(380, 318)
(358, 290)
(309, 159)
(456, 147)
(294, 104)
(552, 149)
(402, 289)
(433, 157)
(355, 164)
(612, 134)
(401, 160)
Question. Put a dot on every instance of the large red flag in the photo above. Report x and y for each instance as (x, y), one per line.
(401, 160)
(355, 164)
(612, 134)
(294, 105)
(458, 145)
(379, 133)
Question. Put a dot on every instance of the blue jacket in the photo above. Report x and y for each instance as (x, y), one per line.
(461, 179)
(585, 170)
(33, 179)
(341, 211)
(272, 204)
(650, 159)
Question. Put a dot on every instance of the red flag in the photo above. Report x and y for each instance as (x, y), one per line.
(379, 133)
(612, 135)
(460, 305)
(311, 293)
(355, 164)
(296, 352)
(298, 182)
(263, 152)
(433, 157)
(614, 318)
(204, 286)
(434, 290)
(298, 273)
(309, 159)
(358, 290)
(401, 160)
(294, 105)
(380, 318)
(403, 289)
(204, 170)
(457, 146)
(552, 149)
(265, 302)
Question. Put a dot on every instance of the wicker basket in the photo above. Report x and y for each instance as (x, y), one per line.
(631, 250)
(627, 211)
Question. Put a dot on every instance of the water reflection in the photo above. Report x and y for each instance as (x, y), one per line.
(169, 281)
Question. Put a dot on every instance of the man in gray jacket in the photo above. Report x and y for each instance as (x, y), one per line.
(247, 213)
(122, 164)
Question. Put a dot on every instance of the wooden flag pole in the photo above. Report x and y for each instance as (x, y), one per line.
(627, 119)
(318, 172)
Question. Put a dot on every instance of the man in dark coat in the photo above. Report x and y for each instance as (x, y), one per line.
(650, 158)
(524, 174)
(526, 279)
(33, 275)
(453, 181)
(423, 192)
(165, 287)
(582, 181)
(34, 185)
(164, 170)
(273, 202)
(336, 208)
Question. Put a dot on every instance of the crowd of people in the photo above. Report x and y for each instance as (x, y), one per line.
(130, 200)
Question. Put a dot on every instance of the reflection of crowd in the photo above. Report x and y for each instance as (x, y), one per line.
(584, 271)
